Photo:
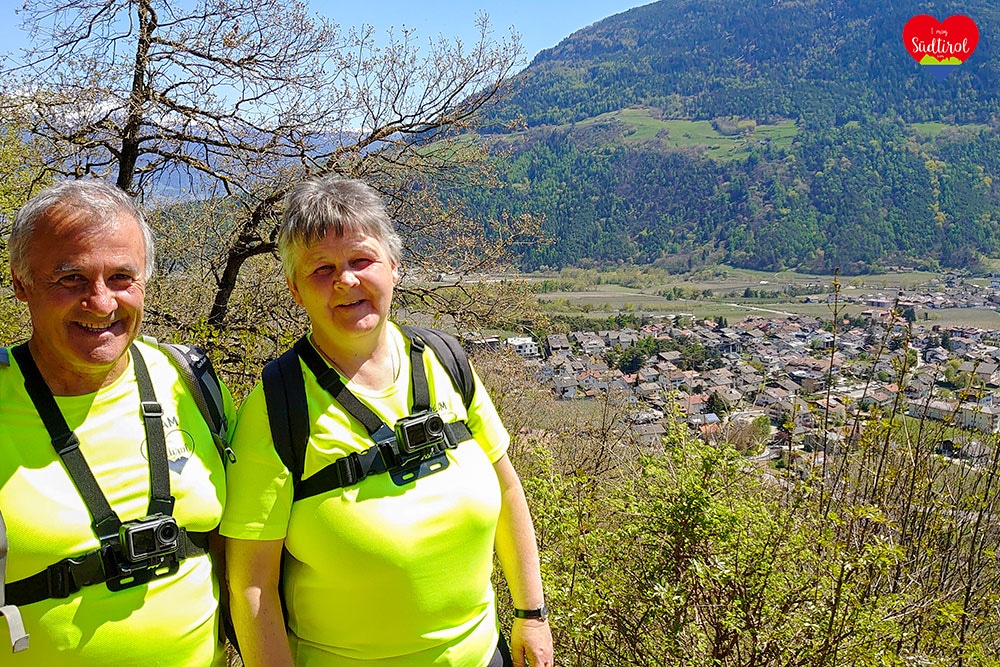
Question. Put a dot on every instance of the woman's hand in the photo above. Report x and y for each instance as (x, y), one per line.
(531, 643)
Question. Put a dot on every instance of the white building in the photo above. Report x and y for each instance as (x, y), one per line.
(524, 346)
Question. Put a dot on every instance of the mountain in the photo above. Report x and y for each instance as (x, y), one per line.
(766, 134)
(818, 62)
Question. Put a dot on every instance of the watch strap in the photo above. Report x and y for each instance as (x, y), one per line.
(541, 613)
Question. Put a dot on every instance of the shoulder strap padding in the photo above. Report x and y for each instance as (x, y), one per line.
(451, 355)
(287, 411)
(196, 371)
(15, 626)
(4, 357)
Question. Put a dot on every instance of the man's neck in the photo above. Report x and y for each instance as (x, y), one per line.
(66, 380)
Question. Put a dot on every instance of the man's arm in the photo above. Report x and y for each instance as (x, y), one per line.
(531, 638)
(254, 568)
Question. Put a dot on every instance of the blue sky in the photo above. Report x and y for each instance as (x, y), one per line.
(541, 23)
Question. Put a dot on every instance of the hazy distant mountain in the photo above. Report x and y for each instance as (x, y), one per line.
(827, 144)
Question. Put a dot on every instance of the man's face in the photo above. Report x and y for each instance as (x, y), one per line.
(85, 291)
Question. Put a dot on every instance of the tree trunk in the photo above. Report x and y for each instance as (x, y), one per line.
(129, 156)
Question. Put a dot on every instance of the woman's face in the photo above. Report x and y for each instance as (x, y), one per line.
(345, 284)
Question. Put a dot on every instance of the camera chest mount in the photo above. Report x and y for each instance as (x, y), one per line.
(415, 448)
(131, 553)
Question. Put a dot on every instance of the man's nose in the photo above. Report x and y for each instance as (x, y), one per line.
(100, 299)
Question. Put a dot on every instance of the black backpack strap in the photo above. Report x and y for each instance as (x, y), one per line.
(104, 520)
(199, 377)
(419, 385)
(451, 355)
(287, 411)
(160, 500)
(330, 380)
(15, 626)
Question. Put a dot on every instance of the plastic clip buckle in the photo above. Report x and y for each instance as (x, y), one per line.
(347, 470)
(59, 580)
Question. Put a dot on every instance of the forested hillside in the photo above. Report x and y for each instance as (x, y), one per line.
(768, 135)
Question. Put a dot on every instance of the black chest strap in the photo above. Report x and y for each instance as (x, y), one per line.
(384, 455)
(62, 579)
(66, 577)
(106, 523)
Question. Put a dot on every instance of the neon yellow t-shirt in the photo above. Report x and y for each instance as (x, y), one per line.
(397, 576)
(171, 621)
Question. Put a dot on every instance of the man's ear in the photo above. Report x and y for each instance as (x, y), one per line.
(20, 290)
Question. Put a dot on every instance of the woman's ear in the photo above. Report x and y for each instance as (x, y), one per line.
(293, 288)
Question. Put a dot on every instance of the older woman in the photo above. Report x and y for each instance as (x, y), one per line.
(394, 568)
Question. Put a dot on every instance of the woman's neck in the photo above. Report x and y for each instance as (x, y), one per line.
(372, 367)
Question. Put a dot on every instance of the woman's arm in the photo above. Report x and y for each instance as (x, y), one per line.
(253, 569)
(531, 639)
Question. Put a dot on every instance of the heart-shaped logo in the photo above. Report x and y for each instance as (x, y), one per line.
(940, 45)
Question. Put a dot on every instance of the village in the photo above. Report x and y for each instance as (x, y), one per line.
(773, 384)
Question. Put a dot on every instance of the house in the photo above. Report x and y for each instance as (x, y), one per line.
(693, 404)
(564, 387)
(985, 373)
(649, 435)
(557, 343)
(647, 389)
(524, 346)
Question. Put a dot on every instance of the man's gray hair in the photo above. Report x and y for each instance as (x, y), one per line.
(100, 200)
(324, 204)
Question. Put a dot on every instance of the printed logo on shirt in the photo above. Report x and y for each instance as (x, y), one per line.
(180, 445)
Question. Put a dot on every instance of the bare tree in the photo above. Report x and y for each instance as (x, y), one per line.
(235, 100)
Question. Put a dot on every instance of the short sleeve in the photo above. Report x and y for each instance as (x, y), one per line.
(485, 424)
(259, 497)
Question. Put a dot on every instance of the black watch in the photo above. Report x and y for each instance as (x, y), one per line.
(540, 613)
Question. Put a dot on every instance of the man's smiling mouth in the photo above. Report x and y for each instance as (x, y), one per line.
(96, 328)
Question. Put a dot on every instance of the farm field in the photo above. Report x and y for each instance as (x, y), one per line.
(723, 292)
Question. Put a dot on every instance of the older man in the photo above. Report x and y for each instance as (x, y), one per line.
(110, 480)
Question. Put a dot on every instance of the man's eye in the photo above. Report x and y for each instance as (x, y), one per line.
(361, 263)
(121, 280)
(323, 270)
(71, 280)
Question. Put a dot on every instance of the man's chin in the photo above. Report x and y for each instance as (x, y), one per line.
(105, 353)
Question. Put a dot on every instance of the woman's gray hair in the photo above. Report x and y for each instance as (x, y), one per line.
(324, 204)
(99, 200)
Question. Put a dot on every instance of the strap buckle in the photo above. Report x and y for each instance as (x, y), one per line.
(71, 574)
(152, 409)
(59, 580)
(348, 469)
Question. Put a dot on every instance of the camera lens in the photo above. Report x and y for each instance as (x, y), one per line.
(166, 533)
(434, 427)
